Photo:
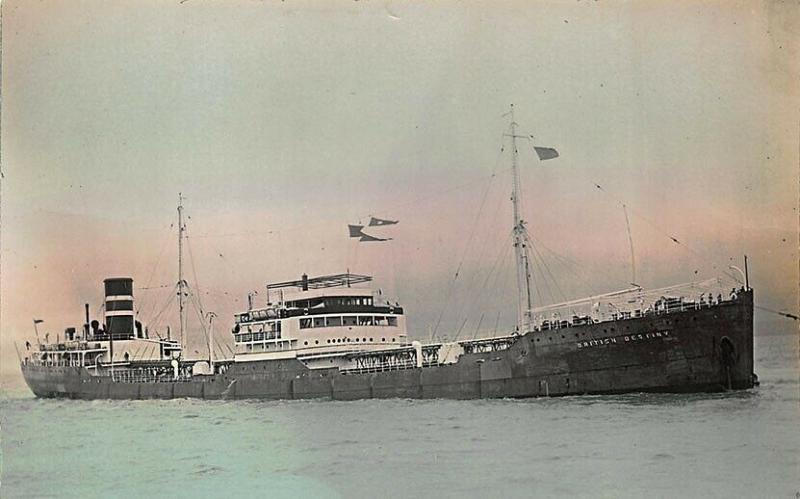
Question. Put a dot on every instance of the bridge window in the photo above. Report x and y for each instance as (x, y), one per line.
(392, 321)
(365, 320)
(349, 320)
(319, 321)
(305, 323)
(334, 321)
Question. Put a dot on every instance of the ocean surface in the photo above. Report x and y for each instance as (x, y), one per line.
(742, 444)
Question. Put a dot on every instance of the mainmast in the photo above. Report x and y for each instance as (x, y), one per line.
(181, 282)
(524, 304)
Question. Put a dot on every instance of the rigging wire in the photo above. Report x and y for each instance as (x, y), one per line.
(468, 244)
(544, 264)
(662, 232)
(148, 288)
(478, 328)
(476, 274)
(782, 314)
(544, 284)
(502, 256)
(194, 271)
(169, 303)
(149, 281)
(475, 277)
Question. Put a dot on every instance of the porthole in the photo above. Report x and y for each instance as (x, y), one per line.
(357, 339)
(370, 340)
(383, 339)
(394, 339)
(316, 342)
(364, 340)
(305, 343)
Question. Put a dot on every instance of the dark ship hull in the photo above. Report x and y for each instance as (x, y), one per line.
(695, 350)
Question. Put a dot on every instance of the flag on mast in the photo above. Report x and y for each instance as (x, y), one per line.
(374, 222)
(545, 153)
(355, 230)
(366, 238)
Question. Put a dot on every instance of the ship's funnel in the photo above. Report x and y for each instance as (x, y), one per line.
(119, 308)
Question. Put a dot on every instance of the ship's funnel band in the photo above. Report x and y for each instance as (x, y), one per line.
(119, 297)
(119, 313)
(122, 305)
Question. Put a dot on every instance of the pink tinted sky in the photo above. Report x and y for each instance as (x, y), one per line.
(283, 121)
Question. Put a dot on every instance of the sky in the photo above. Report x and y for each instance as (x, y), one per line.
(282, 122)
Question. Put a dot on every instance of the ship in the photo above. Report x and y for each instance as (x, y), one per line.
(334, 337)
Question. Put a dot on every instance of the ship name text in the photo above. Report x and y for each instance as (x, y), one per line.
(628, 338)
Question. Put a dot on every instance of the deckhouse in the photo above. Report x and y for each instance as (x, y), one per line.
(319, 317)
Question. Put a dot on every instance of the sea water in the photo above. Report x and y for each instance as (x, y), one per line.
(738, 444)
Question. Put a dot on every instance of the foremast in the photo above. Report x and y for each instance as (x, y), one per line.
(524, 300)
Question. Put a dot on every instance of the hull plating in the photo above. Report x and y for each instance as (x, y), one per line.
(709, 349)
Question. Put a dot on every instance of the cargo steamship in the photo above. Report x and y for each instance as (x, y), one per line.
(333, 337)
